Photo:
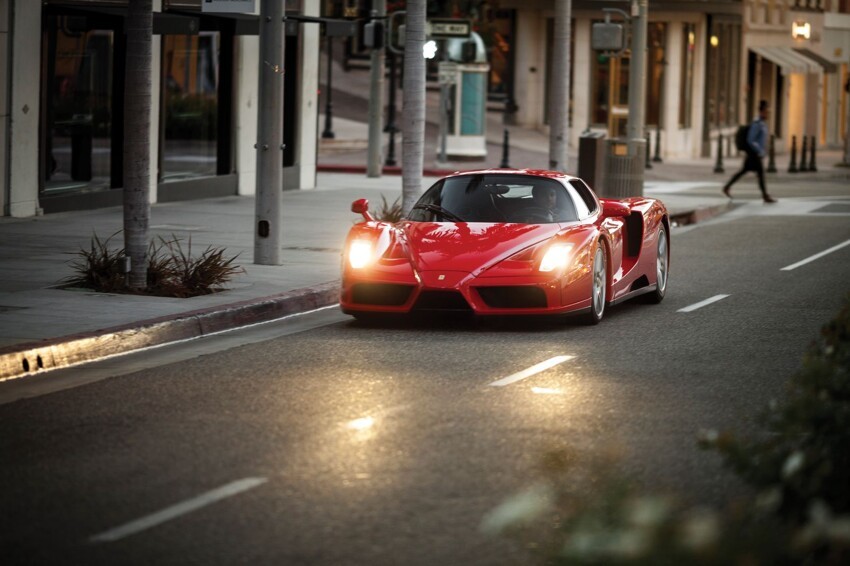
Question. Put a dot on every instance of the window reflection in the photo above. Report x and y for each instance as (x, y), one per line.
(79, 105)
(190, 66)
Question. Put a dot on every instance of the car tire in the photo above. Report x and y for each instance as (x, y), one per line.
(598, 286)
(662, 267)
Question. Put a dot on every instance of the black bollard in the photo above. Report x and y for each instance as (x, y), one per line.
(718, 167)
(792, 167)
(803, 152)
(504, 163)
(812, 166)
(657, 157)
(647, 165)
(771, 154)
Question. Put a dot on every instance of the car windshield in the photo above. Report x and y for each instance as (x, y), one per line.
(525, 199)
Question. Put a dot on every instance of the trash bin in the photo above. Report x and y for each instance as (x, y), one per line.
(624, 164)
(591, 159)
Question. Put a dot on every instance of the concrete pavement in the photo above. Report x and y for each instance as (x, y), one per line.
(44, 326)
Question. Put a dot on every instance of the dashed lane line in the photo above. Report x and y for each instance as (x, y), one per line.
(816, 256)
(533, 370)
(177, 510)
(704, 303)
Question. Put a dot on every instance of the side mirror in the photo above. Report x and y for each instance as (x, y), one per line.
(615, 209)
(361, 206)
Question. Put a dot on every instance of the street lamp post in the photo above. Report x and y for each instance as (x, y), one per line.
(328, 131)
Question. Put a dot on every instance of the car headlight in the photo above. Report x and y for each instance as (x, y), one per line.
(556, 257)
(360, 253)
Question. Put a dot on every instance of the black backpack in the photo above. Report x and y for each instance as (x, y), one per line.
(741, 138)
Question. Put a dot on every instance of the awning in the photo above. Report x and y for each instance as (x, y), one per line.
(788, 60)
(828, 66)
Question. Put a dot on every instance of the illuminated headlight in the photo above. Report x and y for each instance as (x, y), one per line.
(360, 253)
(556, 257)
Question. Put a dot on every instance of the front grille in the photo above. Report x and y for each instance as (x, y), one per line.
(518, 297)
(441, 300)
(383, 294)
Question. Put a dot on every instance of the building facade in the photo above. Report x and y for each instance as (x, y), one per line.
(708, 65)
(61, 105)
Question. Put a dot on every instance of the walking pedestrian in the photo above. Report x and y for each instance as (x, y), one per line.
(754, 153)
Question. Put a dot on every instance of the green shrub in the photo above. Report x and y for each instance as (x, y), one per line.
(172, 272)
(799, 467)
(389, 212)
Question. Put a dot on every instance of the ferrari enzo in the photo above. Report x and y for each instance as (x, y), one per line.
(507, 242)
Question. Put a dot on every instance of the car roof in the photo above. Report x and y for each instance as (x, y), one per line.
(544, 173)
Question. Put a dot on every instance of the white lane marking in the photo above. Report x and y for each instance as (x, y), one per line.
(701, 304)
(535, 369)
(175, 511)
(814, 257)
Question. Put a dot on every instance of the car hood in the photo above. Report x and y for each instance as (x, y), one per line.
(469, 246)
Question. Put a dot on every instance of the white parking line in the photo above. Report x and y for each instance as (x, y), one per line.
(701, 304)
(175, 511)
(814, 257)
(535, 369)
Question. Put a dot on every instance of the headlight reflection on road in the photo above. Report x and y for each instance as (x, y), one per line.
(546, 391)
(364, 423)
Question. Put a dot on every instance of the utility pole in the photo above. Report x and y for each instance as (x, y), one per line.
(376, 94)
(559, 97)
(637, 84)
(268, 219)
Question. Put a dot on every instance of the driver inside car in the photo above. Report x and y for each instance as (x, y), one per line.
(546, 198)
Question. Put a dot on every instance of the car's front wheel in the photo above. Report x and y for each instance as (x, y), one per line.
(599, 281)
(662, 267)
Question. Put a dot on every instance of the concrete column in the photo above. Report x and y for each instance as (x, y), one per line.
(246, 77)
(530, 67)
(582, 80)
(302, 175)
(25, 58)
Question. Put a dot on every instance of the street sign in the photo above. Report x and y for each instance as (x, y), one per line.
(445, 28)
(228, 6)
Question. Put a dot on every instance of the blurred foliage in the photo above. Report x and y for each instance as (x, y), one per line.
(191, 117)
(582, 514)
(172, 272)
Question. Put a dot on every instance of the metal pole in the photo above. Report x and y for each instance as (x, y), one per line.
(328, 132)
(391, 127)
(505, 164)
(444, 109)
(268, 220)
(637, 85)
(376, 98)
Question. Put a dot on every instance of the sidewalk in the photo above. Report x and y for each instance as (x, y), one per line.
(43, 326)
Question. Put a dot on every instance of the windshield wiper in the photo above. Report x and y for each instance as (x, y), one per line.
(437, 209)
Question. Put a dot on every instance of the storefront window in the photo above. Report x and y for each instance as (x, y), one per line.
(655, 63)
(78, 106)
(190, 95)
(722, 86)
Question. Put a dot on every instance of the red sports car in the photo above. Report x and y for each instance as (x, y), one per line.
(507, 242)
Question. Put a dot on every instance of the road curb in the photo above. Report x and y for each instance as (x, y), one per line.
(698, 215)
(32, 358)
(386, 170)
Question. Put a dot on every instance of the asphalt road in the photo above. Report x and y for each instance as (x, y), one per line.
(317, 440)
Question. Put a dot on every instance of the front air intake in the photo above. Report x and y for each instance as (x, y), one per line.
(513, 297)
(441, 301)
(382, 294)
